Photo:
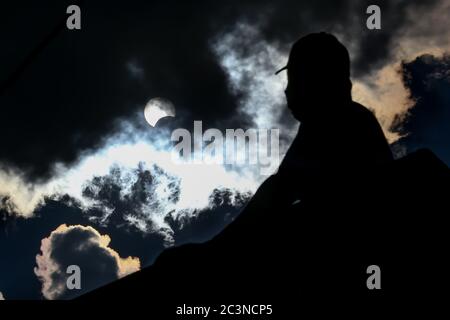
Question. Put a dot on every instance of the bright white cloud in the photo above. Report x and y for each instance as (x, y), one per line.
(252, 73)
(18, 195)
(128, 150)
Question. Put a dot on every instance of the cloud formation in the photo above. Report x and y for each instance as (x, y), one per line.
(1, 296)
(146, 198)
(17, 195)
(426, 124)
(82, 246)
(238, 55)
(251, 77)
(147, 58)
(139, 198)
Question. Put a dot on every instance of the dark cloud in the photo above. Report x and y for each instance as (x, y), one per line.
(72, 94)
(86, 248)
(225, 205)
(427, 122)
(132, 198)
(375, 48)
(20, 240)
(70, 97)
(137, 200)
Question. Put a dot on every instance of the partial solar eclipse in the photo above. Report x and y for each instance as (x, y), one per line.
(158, 108)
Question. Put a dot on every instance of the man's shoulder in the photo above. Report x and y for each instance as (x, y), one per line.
(363, 116)
(362, 110)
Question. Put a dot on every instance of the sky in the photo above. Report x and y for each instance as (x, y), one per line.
(85, 180)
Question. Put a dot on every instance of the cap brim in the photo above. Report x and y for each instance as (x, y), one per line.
(284, 68)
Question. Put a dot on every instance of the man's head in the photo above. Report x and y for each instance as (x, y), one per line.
(318, 75)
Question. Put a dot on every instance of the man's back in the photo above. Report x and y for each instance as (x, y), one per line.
(339, 144)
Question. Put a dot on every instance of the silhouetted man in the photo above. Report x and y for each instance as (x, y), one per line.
(337, 140)
(335, 131)
(311, 214)
(337, 136)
